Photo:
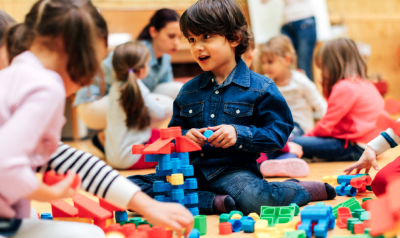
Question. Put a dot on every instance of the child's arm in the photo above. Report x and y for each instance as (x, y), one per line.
(314, 98)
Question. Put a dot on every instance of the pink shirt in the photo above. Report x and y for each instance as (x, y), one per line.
(353, 108)
(32, 101)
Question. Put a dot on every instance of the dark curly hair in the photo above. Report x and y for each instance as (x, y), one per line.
(218, 17)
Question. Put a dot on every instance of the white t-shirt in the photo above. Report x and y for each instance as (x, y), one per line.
(119, 138)
(298, 9)
(303, 99)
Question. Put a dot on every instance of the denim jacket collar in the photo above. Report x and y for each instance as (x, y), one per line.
(240, 75)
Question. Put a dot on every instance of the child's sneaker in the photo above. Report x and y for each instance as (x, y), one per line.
(284, 168)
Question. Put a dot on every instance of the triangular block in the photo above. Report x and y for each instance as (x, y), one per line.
(184, 144)
(109, 206)
(90, 209)
(160, 146)
(61, 208)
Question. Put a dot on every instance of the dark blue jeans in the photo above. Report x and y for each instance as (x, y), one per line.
(328, 148)
(245, 185)
(303, 34)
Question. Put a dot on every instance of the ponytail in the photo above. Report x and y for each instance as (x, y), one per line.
(133, 104)
(159, 20)
(127, 58)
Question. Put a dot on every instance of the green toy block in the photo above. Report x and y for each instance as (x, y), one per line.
(352, 225)
(369, 188)
(200, 223)
(334, 209)
(276, 215)
(351, 221)
(296, 234)
(296, 208)
(366, 199)
(235, 212)
(352, 203)
(357, 213)
(365, 216)
(320, 204)
(366, 231)
(224, 217)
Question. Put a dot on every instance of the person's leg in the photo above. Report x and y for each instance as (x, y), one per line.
(31, 228)
(170, 89)
(306, 39)
(167, 103)
(390, 172)
(297, 131)
(289, 30)
(94, 114)
(327, 148)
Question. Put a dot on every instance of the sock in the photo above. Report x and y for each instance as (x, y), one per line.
(97, 144)
(317, 190)
(223, 204)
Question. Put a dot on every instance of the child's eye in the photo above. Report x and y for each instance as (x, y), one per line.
(191, 40)
(207, 36)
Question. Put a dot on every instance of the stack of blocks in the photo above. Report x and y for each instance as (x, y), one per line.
(349, 184)
(173, 162)
(322, 215)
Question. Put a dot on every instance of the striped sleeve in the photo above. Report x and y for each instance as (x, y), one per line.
(98, 178)
(386, 140)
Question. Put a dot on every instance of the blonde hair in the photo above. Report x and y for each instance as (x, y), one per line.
(279, 46)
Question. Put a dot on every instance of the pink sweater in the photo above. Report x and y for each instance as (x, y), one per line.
(353, 108)
(32, 101)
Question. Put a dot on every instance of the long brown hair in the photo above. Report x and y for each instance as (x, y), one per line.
(279, 46)
(127, 59)
(340, 60)
(5, 21)
(159, 20)
(77, 22)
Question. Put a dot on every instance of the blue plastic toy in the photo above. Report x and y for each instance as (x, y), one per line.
(317, 214)
(121, 216)
(194, 233)
(248, 225)
(208, 133)
(46, 216)
(236, 225)
(345, 188)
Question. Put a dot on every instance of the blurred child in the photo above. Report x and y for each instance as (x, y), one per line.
(245, 110)
(353, 106)
(5, 21)
(249, 54)
(34, 87)
(131, 108)
(278, 59)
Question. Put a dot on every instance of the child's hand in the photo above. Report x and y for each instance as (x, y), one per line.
(170, 215)
(224, 136)
(295, 149)
(367, 159)
(196, 135)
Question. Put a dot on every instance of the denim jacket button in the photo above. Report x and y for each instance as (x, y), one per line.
(212, 115)
(240, 146)
(202, 154)
(217, 92)
(190, 111)
(237, 111)
(212, 80)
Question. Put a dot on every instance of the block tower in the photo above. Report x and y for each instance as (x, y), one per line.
(171, 152)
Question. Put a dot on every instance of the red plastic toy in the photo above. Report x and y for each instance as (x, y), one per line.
(90, 209)
(61, 208)
(109, 206)
(343, 213)
(51, 177)
(225, 228)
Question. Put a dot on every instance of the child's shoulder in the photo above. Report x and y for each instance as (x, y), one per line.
(258, 81)
(194, 84)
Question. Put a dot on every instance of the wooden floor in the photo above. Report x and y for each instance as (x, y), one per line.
(317, 171)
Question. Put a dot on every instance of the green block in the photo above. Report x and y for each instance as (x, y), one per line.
(352, 203)
(200, 223)
(276, 215)
(369, 187)
(366, 231)
(296, 208)
(365, 216)
(334, 209)
(295, 234)
(366, 199)
(224, 217)
(320, 204)
(351, 220)
(357, 213)
(235, 212)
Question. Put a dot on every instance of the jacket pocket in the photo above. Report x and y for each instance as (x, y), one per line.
(194, 113)
(239, 113)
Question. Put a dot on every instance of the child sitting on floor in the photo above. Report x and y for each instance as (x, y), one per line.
(131, 108)
(245, 110)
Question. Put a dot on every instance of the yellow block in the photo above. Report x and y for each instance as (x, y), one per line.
(262, 235)
(261, 226)
(168, 178)
(74, 219)
(176, 179)
(255, 216)
(236, 216)
(331, 180)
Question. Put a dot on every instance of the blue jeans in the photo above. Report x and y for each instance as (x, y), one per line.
(245, 185)
(328, 148)
(303, 34)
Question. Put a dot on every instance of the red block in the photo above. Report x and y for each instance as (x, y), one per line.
(356, 182)
(158, 232)
(343, 213)
(171, 132)
(225, 228)
(128, 229)
(109, 206)
(51, 178)
(91, 209)
(143, 228)
(184, 144)
(139, 235)
(61, 208)
(160, 146)
(137, 149)
(360, 228)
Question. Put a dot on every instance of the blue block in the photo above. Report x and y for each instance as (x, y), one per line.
(178, 186)
(187, 170)
(191, 183)
(46, 216)
(184, 157)
(160, 172)
(161, 186)
(191, 198)
(150, 158)
(177, 194)
(208, 133)
(121, 216)
(244, 218)
(350, 191)
(194, 211)
(176, 166)
(345, 179)
(236, 225)
(317, 214)
(160, 198)
(248, 225)
(194, 233)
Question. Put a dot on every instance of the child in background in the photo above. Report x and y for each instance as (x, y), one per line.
(248, 56)
(130, 108)
(353, 106)
(43, 81)
(5, 21)
(245, 110)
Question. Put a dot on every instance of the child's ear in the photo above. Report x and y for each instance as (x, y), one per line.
(235, 42)
(140, 73)
(288, 59)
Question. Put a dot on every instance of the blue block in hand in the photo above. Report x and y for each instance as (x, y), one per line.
(208, 133)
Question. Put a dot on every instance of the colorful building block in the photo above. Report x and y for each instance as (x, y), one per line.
(248, 225)
(351, 203)
(331, 180)
(225, 228)
(322, 215)
(236, 216)
(51, 178)
(194, 233)
(261, 226)
(296, 208)
(319, 204)
(224, 217)
(90, 209)
(276, 215)
(200, 223)
(60, 208)
(255, 216)
(295, 234)
(343, 214)
(176, 179)
(236, 225)
(208, 133)
(235, 212)
(46, 216)
(120, 216)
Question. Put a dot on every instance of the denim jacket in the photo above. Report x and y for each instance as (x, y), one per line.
(246, 100)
